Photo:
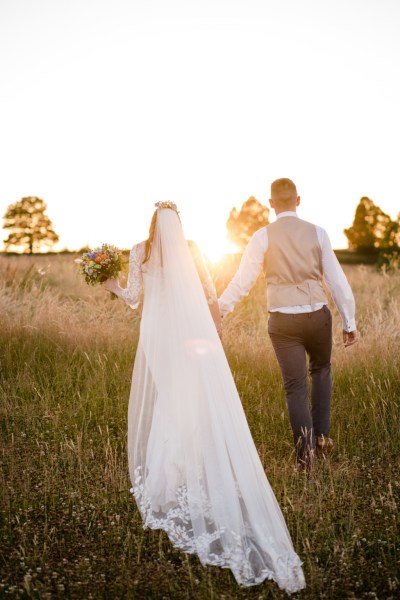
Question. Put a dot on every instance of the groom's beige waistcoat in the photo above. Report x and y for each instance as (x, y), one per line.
(293, 264)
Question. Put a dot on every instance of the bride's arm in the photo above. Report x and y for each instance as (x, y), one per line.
(131, 294)
(207, 283)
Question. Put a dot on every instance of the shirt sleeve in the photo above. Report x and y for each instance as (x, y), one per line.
(337, 282)
(131, 294)
(249, 269)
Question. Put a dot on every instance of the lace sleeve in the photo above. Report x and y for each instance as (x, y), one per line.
(204, 274)
(131, 294)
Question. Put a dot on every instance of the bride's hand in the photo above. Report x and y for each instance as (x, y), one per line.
(111, 285)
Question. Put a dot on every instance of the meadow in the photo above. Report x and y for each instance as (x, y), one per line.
(68, 525)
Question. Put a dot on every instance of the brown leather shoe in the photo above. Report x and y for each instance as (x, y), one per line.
(306, 467)
(323, 444)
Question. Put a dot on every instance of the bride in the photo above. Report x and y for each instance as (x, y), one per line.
(194, 468)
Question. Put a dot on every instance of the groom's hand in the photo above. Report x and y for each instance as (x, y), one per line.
(350, 338)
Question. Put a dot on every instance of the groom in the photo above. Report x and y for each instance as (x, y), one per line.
(296, 257)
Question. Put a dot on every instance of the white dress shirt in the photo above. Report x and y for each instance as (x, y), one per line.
(252, 263)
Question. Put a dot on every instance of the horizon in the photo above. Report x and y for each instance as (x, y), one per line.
(229, 248)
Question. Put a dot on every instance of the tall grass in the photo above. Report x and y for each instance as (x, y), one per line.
(68, 525)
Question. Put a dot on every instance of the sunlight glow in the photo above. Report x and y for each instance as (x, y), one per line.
(216, 249)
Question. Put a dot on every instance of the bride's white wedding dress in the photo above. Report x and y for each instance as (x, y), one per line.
(194, 468)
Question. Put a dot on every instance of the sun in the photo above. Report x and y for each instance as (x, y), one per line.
(214, 249)
(210, 236)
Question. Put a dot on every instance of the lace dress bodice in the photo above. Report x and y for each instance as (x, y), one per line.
(132, 293)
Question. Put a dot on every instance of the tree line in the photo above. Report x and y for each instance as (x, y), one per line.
(372, 229)
(30, 228)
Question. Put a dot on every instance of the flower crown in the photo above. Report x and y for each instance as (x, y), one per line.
(167, 204)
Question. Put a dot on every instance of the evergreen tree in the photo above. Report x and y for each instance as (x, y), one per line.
(243, 223)
(372, 228)
(29, 225)
(392, 234)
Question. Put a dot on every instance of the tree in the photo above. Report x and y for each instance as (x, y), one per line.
(392, 234)
(29, 225)
(372, 228)
(242, 224)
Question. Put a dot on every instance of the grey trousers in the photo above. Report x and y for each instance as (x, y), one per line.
(294, 337)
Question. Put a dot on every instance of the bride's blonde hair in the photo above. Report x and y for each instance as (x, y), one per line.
(149, 241)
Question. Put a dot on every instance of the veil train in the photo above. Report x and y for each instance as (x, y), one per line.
(194, 468)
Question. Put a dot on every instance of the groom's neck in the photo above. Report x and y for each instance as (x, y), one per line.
(280, 207)
(281, 210)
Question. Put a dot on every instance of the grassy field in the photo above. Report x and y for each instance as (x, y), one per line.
(68, 525)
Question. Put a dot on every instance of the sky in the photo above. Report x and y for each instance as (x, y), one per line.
(107, 106)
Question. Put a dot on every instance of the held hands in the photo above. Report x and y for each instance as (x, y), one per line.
(350, 338)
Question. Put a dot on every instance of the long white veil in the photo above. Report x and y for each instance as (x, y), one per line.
(195, 470)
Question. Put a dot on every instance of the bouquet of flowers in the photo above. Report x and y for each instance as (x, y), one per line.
(101, 263)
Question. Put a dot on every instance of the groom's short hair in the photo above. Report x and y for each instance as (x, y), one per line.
(283, 191)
